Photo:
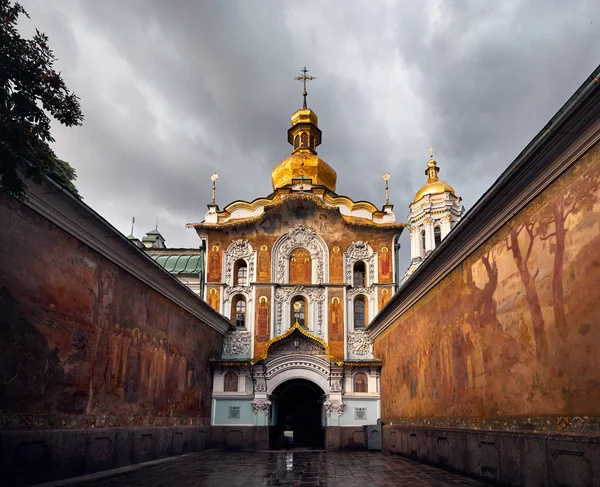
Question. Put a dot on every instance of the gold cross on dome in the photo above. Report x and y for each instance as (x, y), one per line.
(430, 152)
(304, 79)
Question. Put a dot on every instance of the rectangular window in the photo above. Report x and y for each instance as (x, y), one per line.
(234, 412)
(360, 414)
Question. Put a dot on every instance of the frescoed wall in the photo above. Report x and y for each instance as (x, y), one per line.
(80, 336)
(512, 331)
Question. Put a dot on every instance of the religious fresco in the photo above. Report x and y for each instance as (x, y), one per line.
(214, 263)
(336, 266)
(385, 265)
(511, 331)
(384, 296)
(213, 298)
(336, 321)
(264, 264)
(263, 312)
(300, 267)
(81, 337)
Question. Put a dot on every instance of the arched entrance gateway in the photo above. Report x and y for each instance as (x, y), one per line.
(298, 407)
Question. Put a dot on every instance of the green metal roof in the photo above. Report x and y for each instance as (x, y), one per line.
(180, 264)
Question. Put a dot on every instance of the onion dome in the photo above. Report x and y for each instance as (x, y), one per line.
(434, 184)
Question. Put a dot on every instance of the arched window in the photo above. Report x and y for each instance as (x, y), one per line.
(238, 311)
(240, 276)
(230, 382)
(360, 312)
(312, 141)
(360, 382)
(359, 274)
(296, 141)
(437, 235)
(300, 267)
(423, 241)
(304, 137)
(298, 308)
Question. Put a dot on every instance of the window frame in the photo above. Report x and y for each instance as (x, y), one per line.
(304, 311)
(363, 301)
(364, 273)
(239, 298)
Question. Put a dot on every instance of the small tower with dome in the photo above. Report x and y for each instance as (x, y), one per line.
(434, 211)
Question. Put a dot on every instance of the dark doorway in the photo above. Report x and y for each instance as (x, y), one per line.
(299, 408)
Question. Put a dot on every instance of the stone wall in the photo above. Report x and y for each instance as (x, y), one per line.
(510, 332)
(507, 341)
(84, 345)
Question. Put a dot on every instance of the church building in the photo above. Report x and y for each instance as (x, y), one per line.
(301, 273)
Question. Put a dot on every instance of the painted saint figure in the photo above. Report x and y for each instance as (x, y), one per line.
(262, 320)
(263, 263)
(386, 265)
(337, 265)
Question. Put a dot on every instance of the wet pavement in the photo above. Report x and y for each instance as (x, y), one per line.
(293, 468)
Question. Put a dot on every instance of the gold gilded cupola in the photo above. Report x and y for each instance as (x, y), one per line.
(434, 185)
(304, 166)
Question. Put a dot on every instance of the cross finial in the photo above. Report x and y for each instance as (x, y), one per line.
(156, 228)
(304, 79)
(430, 152)
(214, 178)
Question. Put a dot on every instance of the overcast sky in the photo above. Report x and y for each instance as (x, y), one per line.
(173, 91)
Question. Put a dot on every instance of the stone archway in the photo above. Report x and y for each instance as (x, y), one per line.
(298, 407)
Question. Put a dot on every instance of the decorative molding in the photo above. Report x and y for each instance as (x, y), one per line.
(315, 295)
(498, 206)
(334, 407)
(239, 249)
(84, 224)
(261, 406)
(228, 291)
(361, 251)
(356, 291)
(588, 425)
(260, 385)
(300, 236)
(237, 344)
(359, 343)
(336, 385)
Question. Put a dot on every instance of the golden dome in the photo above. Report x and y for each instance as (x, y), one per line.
(436, 187)
(304, 135)
(315, 169)
(434, 184)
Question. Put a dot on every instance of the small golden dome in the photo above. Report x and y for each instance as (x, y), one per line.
(304, 135)
(314, 168)
(434, 185)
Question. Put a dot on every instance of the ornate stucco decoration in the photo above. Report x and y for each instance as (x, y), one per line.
(315, 295)
(231, 290)
(261, 406)
(334, 407)
(260, 385)
(239, 249)
(300, 236)
(359, 343)
(301, 330)
(336, 385)
(355, 291)
(237, 344)
(361, 251)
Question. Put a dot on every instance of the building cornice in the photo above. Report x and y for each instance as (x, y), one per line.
(567, 137)
(82, 222)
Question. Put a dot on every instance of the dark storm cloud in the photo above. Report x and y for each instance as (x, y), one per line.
(174, 91)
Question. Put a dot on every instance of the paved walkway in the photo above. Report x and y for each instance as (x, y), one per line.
(293, 468)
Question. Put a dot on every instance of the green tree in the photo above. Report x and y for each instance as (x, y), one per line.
(30, 92)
